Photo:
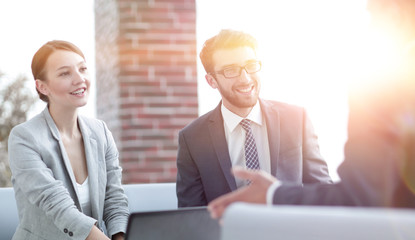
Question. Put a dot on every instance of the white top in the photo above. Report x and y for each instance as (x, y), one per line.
(84, 198)
(235, 137)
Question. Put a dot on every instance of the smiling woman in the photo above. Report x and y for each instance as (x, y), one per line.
(65, 168)
(67, 83)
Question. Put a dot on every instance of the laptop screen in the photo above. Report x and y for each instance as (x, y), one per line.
(179, 224)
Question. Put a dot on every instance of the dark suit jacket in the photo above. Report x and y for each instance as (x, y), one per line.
(379, 165)
(204, 165)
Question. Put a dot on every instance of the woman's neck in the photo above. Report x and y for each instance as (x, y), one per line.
(65, 120)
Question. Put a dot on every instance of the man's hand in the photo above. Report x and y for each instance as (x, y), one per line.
(256, 192)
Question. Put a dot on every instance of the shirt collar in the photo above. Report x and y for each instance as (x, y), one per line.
(232, 120)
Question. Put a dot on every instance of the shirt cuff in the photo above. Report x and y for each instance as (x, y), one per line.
(271, 190)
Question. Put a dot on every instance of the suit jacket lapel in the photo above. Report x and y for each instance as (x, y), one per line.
(272, 119)
(90, 146)
(65, 159)
(217, 134)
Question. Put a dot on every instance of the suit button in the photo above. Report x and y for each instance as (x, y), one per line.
(70, 234)
(65, 230)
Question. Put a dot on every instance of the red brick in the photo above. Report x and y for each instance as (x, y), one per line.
(155, 81)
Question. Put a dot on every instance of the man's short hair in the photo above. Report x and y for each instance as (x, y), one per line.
(226, 39)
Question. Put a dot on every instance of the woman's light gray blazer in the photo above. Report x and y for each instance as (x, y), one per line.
(45, 186)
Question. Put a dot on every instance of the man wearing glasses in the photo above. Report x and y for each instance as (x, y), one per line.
(379, 165)
(243, 130)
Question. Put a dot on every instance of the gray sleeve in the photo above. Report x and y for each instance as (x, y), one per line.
(35, 180)
(116, 210)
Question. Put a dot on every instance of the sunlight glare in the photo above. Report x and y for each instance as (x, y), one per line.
(310, 50)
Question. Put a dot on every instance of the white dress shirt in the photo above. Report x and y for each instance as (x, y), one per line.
(235, 138)
(271, 191)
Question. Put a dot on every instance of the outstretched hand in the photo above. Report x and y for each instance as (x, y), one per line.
(256, 192)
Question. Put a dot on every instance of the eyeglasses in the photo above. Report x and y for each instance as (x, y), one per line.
(235, 71)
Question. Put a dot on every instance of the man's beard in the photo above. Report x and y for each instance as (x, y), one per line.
(239, 101)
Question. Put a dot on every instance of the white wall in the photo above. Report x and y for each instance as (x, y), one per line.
(25, 25)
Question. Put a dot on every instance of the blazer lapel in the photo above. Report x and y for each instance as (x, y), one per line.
(66, 163)
(272, 119)
(217, 133)
(90, 146)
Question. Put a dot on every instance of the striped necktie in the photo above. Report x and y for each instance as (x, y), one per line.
(251, 153)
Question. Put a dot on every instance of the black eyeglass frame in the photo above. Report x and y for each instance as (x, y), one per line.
(240, 69)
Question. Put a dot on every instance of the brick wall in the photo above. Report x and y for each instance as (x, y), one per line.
(146, 81)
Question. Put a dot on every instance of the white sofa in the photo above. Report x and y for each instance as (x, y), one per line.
(141, 197)
(8, 213)
(151, 196)
(248, 221)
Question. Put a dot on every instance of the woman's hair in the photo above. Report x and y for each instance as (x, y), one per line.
(226, 39)
(41, 57)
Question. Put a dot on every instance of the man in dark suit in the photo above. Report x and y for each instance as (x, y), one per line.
(379, 165)
(243, 130)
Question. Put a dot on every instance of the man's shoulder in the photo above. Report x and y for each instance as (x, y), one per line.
(280, 106)
(200, 122)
